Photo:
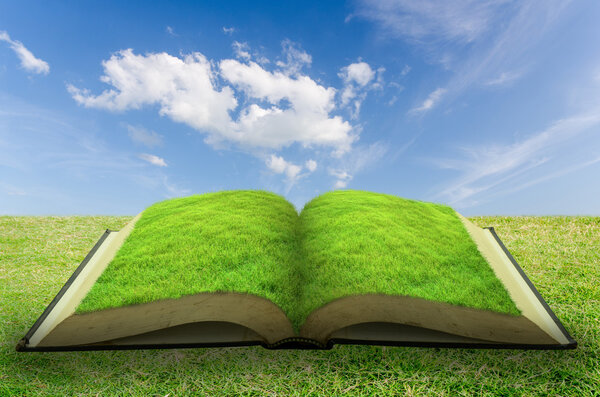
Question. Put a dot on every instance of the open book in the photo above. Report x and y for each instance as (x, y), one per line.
(240, 268)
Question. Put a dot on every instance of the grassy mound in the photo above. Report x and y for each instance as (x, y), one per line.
(343, 243)
(240, 241)
(356, 242)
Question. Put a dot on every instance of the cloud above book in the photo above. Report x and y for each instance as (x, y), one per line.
(238, 101)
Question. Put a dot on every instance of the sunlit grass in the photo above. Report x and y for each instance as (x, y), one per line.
(344, 243)
(241, 241)
(358, 242)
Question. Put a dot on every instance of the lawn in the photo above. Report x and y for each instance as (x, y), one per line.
(561, 255)
(343, 243)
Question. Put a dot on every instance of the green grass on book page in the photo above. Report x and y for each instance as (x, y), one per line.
(241, 241)
(360, 242)
(344, 243)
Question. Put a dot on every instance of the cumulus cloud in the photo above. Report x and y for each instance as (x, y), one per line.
(355, 76)
(311, 165)
(298, 109)
(358, 77)
(359, 73)
(152, 159)
(241, 50)
(258, 107)
(28, 61)
(287, 109)
(295, 58)
(342, 178)
(280, 166)
(142, 136)
(183, 88)
(228, 30)
(430, 102)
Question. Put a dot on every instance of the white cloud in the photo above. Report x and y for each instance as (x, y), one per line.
(170, 31)
(432, 20)
(358, 78)
(306, 119)
(355, 110)
(173, 189)
(241, 50)
(280, 166)
(28, 61)
(340, 184)
(405, 70)
(512, 48)
(504, 78)
(156, 180)
(342, 178)
(229, 30)
(378, 84)
(188, 90)
(152, 159)
(144, 137)
(430, 102)
(44, 145)
(357, 160)
(494, 36)
(359, 73)
(295, 57)
(355, 76)
(276, 164)
(280, 107)
(348, 94)
(485, 167)
(183, 88)
(311, 165)
(549, 176)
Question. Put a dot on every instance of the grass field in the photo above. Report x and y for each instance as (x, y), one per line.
(343, 243)
(560, 255)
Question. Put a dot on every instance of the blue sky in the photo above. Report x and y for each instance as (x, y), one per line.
(492, 107)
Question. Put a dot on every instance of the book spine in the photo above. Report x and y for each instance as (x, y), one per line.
(298, 343)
